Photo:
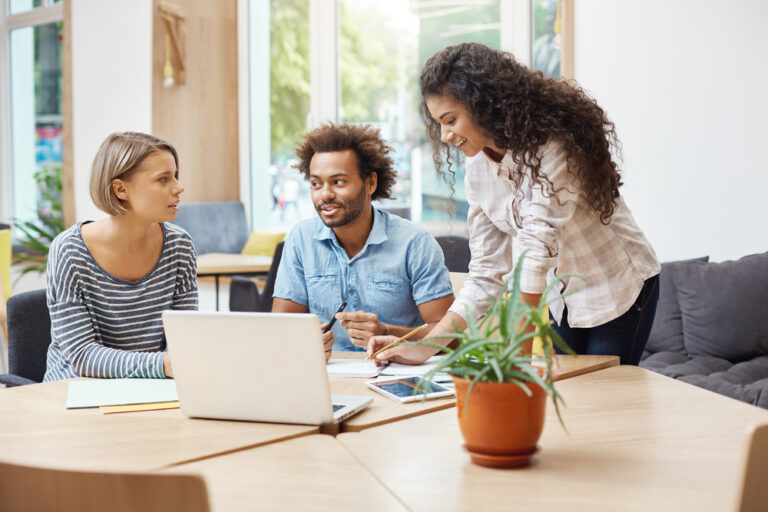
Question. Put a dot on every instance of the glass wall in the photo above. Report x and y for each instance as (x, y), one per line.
(280, 95)
(36, 123)
(380, 50)
(546, 36)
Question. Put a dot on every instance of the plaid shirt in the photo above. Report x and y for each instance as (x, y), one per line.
(564, 236)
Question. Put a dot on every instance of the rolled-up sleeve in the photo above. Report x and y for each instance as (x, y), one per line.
(430, 279)
(491, 259)
(543, 216)
(290, 283)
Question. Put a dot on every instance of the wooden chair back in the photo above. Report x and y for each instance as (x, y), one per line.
(754, 491)
(30, 488)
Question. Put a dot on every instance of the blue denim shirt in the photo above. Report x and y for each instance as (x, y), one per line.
(400, 267)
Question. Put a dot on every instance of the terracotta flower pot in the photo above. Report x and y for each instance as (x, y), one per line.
(501, 425)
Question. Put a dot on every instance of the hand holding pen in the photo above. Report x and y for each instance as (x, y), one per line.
(327, 333)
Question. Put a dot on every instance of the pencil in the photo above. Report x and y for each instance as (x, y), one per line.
(399, 340)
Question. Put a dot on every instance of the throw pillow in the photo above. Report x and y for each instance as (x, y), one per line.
(667, 331)
(723, 308)
(262, 242)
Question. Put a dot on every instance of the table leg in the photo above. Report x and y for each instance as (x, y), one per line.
(217, 291)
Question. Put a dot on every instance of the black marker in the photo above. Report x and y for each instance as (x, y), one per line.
(333, 320)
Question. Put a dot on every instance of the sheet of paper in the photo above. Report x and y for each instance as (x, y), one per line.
(114, 409)
(351, 368)
(98, 392)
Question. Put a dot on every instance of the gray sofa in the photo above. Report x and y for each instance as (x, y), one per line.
(711, 326)
(215, 226)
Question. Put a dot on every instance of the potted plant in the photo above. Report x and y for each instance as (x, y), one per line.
(501, 389)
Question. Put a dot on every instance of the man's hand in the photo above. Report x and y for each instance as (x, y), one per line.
(327, 341)
(167, 368)
(361, 326)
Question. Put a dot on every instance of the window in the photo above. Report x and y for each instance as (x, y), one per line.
(30, 110)
(356, 61)
(546, 36)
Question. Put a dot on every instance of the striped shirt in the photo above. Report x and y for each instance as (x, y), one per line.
(561, 236)
(102, 326)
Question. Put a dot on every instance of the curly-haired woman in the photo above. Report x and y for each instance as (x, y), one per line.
(541, 177)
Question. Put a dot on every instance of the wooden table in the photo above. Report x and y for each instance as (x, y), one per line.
(311, 472)
(224, 264)
(636, 441)
(38, 429)
(384, 410)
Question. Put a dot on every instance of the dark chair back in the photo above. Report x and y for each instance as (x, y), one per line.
(456, 251)
(29, 334)
(244, 294)
(214, 227)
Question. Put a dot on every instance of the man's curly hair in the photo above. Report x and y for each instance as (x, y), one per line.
(364, 140)
(521, 110)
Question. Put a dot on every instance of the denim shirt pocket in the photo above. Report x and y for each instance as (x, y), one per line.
(323, 294)
(391, 299)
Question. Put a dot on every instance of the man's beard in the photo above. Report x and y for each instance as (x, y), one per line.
(352, 210)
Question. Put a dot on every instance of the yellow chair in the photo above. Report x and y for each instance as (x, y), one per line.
(262, 242)
(31, 488)
(5, 275)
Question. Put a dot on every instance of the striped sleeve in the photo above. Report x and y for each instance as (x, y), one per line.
(185, 293)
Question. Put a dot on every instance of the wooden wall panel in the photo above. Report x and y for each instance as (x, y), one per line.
(200, 117)
(67, 158)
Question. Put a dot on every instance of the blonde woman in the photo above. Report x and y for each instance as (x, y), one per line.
(109, 281)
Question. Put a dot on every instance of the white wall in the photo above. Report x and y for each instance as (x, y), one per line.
(111, 81)
(685, 83)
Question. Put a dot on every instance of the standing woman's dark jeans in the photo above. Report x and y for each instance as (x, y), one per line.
(625, 336)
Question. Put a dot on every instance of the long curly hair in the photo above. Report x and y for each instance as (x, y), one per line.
(365, 140)
(521, 110)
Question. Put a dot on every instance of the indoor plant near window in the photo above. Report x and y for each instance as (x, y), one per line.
(501, 389)
(39, 235)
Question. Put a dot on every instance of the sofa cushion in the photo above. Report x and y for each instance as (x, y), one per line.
(746, 381)
(667, 331)
(723, 308)
(214, 227)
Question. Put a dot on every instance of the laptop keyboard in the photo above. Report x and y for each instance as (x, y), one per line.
(336, 407)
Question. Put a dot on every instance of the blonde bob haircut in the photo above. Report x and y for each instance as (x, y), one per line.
(119, 157)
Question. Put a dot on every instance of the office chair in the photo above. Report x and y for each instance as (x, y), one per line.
(29, 334)
(244, 294)
(27, 488)
(754, 491)
(456, 251)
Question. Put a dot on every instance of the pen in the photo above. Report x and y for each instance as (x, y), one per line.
(333, 320)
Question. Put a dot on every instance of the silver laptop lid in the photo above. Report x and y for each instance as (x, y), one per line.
(249, 366)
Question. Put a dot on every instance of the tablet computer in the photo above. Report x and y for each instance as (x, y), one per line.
(402, 389)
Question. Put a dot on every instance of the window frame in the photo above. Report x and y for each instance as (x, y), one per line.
(49, 12)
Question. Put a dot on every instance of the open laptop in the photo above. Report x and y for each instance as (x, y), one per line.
(254, 367)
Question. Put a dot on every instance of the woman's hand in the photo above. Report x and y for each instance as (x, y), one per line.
(167, 368)
(327, 341)
(416, 354)
(403, 354)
